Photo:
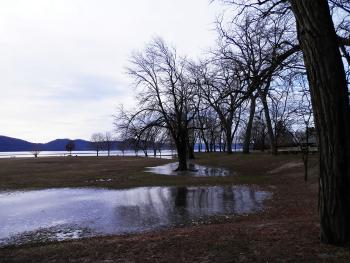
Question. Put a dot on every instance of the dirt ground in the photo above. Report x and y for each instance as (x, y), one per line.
(286, 231)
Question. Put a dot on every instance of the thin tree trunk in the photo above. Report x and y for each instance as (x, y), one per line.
(263, 141)
(248, 132)
(306, 155)
(329, 93)
(205, 141)
(191, 151)
(235, 130)
(269, 125)
(199, 144)
(229, 141)
(206, 145)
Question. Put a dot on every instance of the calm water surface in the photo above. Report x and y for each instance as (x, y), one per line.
(166, 154)
(70, 213)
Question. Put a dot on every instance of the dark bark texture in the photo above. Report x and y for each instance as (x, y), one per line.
(269, 125)
(182, 148)
(330, 101)
(248, 132)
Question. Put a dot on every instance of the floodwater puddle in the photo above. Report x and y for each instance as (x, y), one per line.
(72, 213)
(194, 170)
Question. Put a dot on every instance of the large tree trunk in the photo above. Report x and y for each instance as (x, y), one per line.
(229, 139)
(248, 132)
(182, 156)
(182, 150)
(330, 101)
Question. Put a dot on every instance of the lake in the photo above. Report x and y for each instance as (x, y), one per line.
(165, 154)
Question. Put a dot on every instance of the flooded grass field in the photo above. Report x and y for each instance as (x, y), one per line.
(71, 213)
(262, 210)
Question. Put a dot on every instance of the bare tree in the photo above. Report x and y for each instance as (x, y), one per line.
(108, 142)
(155, 138)
(162, 137)
(36, 150)
(135, 129)
(204, 118)
(165, 98)
(70, 146)
(249, 126)
(220, 88)
(123, 146)
(283, 108)
(259, 133)
(97, 142)
(257, 47)
(305, 118)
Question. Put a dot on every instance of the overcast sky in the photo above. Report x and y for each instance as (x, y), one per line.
(62, 62)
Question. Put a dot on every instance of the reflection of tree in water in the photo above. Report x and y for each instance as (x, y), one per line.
(239, 200)
(160, 206)
(245, 200)
(181, 196)
(203, 198)
(128, 216)
(227, 200)
(255, 202)
(203, 201)
(146, 209)
(164, 206)
(197, 199)
(123, 211)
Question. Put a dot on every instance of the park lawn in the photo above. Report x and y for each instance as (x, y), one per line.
(124, 172)
(286, 231)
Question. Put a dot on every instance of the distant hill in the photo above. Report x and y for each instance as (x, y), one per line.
(60, 145)
(8, 144)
